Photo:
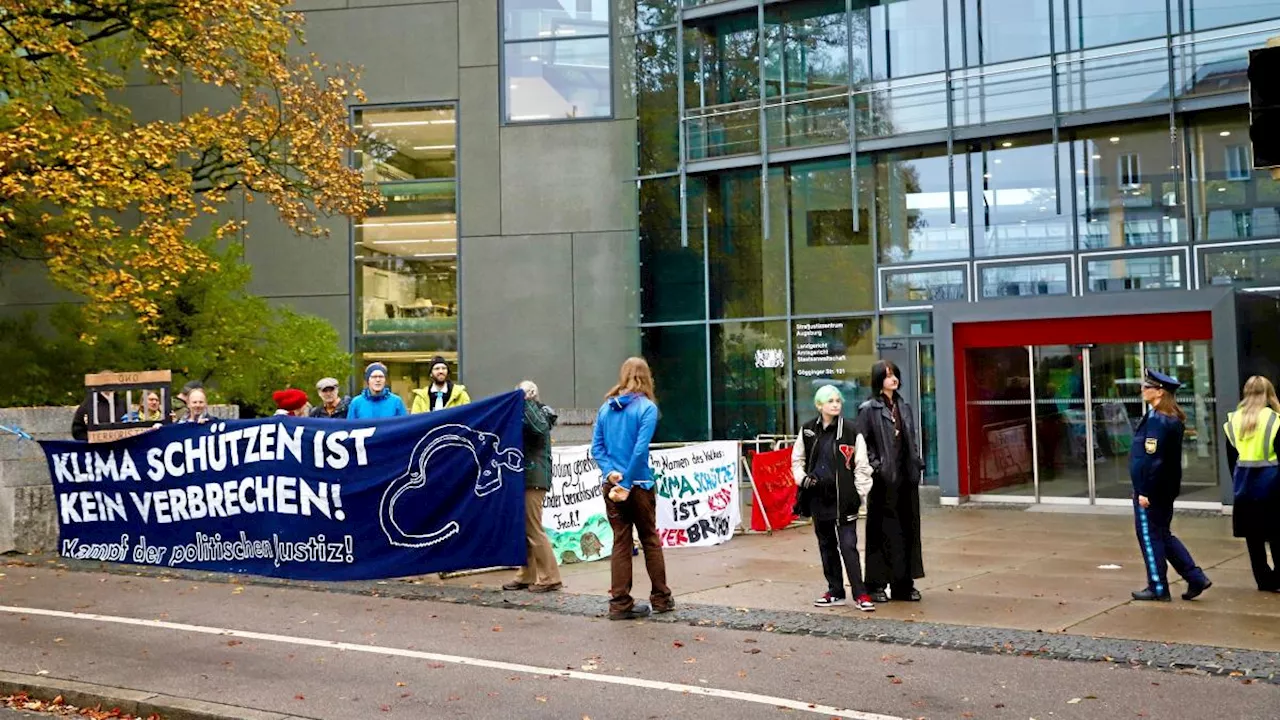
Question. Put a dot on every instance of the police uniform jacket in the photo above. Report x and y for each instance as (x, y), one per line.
(1155, 459)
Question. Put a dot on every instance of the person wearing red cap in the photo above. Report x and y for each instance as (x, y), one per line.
(290, 401)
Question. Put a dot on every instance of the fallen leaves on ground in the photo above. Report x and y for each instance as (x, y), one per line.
(59, 708)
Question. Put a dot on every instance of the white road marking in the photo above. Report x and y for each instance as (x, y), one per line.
(460, 660)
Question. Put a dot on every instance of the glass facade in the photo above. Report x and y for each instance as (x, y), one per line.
(557, 62)
(816, 176)
(406, 254)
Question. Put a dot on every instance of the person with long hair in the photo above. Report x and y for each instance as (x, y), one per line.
(620, 446)
(1155, 467)
(885, 424)
(1253, 454)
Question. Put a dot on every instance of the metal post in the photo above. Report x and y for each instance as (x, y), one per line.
(755, 492)
(1035, 434)
(1057, 121)
(852, 115)
(1088, 424)
(951, 113)
(763, 123)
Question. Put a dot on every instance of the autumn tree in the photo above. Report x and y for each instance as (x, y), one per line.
(106, 202)
(237, 344)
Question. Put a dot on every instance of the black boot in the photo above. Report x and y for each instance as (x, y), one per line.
(1150, 595)
(1194, 590)
(878, 595)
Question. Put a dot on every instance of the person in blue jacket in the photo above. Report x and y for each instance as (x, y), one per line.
(1155, 467)
(620, 446)
(377, 400)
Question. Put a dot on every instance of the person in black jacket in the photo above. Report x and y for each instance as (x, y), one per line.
(1155, 467)
(108, 407)
(893, 462)
(822, 466)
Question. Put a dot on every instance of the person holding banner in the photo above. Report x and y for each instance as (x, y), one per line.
(541, 573)
(892, 460)
(822, 466)
(620, 446)
(377, 400)
(197, 407)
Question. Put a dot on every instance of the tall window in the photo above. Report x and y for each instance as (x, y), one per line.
(1237, 163)
(406, 254)
(556, 63)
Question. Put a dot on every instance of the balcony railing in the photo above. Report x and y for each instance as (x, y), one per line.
(1205, 63)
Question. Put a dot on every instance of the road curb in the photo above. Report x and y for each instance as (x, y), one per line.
(140, 703)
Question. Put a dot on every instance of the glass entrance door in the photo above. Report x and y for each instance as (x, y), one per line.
(1064, 433)
(1115, 385)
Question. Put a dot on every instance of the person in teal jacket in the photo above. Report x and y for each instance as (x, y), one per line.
(620, 446)
(377, 400)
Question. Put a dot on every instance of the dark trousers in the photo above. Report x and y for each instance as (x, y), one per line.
(1266, 575)
(1161, 548)
(894, 543)
(836, 541)
(638, 511)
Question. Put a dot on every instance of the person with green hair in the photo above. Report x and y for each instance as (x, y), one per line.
(822, 464)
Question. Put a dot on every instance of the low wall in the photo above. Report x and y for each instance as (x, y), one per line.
(574, 426)
(28, 518)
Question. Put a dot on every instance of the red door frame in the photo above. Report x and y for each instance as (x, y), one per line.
(1164, 327)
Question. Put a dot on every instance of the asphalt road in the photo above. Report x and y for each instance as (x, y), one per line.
(277, 649)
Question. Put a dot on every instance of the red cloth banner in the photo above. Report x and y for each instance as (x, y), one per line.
(775, 490)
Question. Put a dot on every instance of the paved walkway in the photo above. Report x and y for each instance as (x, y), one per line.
(1036, 570)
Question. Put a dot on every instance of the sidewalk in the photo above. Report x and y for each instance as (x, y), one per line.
(1036, 570)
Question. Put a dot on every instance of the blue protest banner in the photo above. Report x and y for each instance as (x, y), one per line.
(302, 498)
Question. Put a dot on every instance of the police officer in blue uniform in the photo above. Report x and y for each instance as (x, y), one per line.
(1155, 467)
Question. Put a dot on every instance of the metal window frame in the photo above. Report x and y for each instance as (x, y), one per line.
(1183, 250)
(1203, 251)
(612, 36)
(1062, 259)
(884, 270)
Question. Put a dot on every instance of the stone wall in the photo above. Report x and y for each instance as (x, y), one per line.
(574, 426)
(28, 519)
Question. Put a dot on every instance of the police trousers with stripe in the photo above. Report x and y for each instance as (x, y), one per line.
(1160, 548)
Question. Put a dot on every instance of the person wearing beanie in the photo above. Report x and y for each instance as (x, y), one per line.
(290, 401)
(443, 393)
(377, 400)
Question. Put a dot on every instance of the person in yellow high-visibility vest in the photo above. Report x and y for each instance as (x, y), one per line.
(1253, 453)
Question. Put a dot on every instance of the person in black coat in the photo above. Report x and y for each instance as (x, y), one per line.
(822, 466)
(893, 461)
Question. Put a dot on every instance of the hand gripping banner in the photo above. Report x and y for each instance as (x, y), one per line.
(302, 498)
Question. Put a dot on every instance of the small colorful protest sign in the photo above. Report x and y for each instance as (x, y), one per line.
(573, 511)
(697, 489)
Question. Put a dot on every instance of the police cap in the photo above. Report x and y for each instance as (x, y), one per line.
(1167, 383)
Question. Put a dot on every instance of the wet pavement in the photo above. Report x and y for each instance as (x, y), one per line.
(1050, 572)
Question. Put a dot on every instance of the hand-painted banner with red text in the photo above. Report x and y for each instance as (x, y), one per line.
(697, 488)
(698, 501)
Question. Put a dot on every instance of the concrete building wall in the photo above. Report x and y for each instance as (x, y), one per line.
(547, 212)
